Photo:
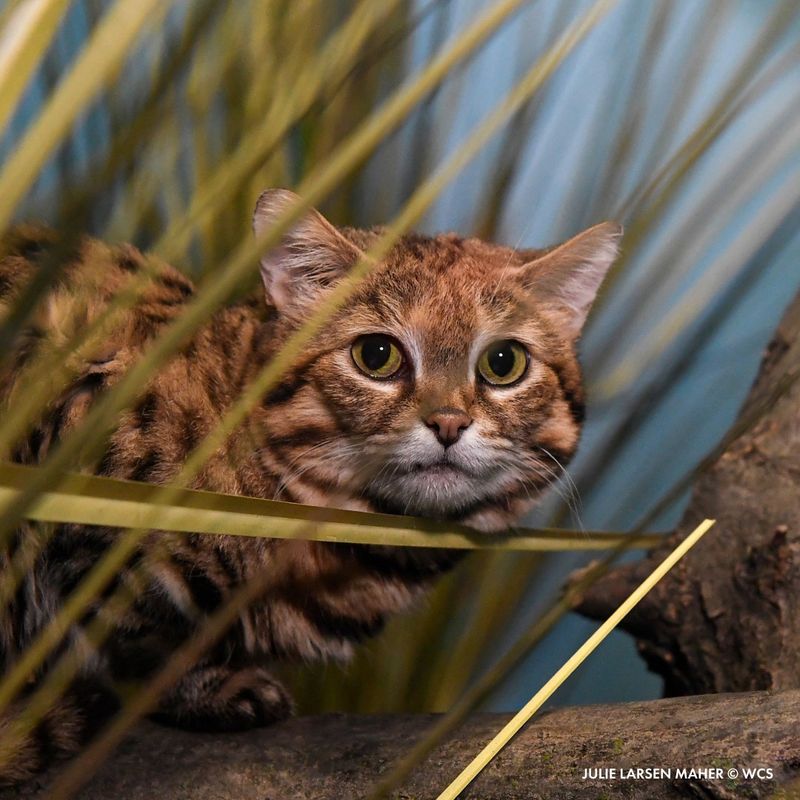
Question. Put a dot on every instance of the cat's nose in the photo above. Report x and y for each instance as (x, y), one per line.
(448, 423)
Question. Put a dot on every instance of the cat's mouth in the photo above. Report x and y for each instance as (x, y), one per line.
(438, 489)
(443, 469)
(423, 482)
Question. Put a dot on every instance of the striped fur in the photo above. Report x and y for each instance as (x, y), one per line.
(327, 435)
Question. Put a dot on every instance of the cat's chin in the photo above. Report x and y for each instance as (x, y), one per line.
(439, 490)
(440, 472)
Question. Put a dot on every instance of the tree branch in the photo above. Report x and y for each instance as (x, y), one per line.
(727, 618)
(340, 756)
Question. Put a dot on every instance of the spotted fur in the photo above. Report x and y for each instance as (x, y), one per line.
(326, 435)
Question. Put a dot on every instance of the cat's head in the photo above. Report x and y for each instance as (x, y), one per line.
(447, 384)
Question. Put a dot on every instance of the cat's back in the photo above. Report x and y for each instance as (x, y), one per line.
(94, 309)
(70, 282)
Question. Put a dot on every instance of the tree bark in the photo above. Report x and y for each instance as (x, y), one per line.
(339, 757)
(727, 618)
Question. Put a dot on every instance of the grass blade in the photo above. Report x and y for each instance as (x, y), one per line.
(219, 189)
(91, 500)
(702, 294)
(25, 37)
(591, 644)
(99, 62)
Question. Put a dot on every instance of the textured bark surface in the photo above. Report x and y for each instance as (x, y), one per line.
(339, 757)
(727, 618)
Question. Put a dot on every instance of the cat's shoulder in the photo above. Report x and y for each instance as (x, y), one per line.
(84, 275)
(80, 261)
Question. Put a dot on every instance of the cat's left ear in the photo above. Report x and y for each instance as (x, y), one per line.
(568, 276)
(309, 259)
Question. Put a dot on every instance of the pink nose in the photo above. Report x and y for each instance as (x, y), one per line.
(447, 424)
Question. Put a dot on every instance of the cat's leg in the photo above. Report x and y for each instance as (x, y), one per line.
(214, 697)
(68, 725)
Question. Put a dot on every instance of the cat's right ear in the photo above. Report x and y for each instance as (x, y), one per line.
(310, 258)
(567, 277)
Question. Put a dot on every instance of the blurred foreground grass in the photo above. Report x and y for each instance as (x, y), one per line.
(160, 123)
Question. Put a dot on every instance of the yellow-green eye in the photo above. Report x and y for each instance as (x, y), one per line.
(503, 363)
(377, 355)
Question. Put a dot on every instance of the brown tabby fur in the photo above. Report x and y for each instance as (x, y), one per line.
(327, 435)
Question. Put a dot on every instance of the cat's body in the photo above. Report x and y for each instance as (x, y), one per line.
(389, 409)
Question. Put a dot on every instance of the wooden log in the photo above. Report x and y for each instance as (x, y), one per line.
(339, 757)
(727, 618)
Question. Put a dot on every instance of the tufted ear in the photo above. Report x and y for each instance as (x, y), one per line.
(568, 276)
(311, 257)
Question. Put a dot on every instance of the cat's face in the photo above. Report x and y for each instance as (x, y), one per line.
(447, 385)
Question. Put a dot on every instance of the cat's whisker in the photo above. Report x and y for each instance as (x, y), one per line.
(293, 474)
(575, 505)
(560, 481)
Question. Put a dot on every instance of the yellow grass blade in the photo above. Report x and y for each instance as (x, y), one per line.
(24, 38)
(90, 500)
(98, 63)
(580, 655)
(481, 689)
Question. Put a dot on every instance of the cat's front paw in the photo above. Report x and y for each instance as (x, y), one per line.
(221, 698)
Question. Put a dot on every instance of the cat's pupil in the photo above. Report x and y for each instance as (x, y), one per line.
(501, 359)
(375, 352)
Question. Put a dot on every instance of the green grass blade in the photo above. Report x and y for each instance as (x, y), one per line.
(354, 151)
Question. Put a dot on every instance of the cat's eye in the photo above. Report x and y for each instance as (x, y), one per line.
(377, 355)
(503, 363)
